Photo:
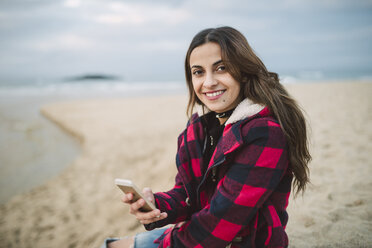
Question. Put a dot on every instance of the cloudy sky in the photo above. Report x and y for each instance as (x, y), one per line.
(143, 40)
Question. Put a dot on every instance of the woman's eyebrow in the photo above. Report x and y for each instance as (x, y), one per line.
(196, 66)
(217, 62)
(214, 64)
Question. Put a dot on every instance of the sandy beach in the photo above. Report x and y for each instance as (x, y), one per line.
(136, 138)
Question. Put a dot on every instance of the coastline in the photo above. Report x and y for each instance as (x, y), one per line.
(126, 138)
(32, 148)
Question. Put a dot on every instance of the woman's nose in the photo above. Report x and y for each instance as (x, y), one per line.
(210, 80)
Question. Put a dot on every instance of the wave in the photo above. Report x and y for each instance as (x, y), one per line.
(93, 88)
(321, 76)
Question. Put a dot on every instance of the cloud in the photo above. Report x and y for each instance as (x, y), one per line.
(115, 19)
(61, 42)
(162, 45)
(72, 3)
(129, 13)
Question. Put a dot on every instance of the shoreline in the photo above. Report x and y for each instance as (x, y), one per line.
(33, 149)
(63, 128)
(140, 144)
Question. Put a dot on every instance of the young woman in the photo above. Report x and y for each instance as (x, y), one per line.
(236, 158)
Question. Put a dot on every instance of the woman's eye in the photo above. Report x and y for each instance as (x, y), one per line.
(221, 68)
(197, 72)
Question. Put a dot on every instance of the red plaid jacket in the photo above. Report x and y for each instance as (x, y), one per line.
(246, 205)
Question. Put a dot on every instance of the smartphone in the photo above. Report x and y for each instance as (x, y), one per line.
(128, 186)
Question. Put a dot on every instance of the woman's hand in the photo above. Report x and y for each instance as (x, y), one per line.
(144, 217)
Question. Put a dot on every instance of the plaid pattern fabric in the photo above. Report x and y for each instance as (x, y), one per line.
(248, 199)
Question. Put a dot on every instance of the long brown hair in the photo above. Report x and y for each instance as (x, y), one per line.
(261, 86)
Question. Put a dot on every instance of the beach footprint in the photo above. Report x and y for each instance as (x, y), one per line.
(355, 203)
(309, 221)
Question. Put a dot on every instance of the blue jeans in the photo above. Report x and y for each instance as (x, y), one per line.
(141, 240)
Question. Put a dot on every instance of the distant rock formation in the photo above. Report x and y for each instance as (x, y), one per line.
(93, 77)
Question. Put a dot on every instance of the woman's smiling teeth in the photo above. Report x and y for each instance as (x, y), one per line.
(216, 93)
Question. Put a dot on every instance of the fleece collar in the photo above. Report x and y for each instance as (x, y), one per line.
(245, 109)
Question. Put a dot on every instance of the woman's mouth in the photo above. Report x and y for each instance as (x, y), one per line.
(214, 95)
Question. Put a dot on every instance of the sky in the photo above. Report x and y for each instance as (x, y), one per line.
(145, 40)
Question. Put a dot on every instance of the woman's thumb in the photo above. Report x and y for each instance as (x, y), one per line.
(147, 192)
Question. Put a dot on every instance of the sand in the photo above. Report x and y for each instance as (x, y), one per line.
(137, 138)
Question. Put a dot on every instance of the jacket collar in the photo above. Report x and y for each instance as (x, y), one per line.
(245, 109)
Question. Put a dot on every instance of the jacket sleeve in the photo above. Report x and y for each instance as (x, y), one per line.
(173, 202)
(256, 170)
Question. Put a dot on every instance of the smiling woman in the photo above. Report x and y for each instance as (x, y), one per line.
(236, 159)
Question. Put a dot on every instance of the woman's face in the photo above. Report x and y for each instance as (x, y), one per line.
(214, 86)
